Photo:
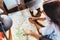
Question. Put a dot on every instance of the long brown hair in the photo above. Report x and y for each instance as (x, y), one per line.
(52, 10)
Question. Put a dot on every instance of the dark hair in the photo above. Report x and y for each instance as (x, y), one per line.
(44, 38)
(27, 1)
(38, 13)
(52, 10)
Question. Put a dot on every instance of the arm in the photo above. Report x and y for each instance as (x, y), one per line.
(38, 18)
(32, 21)
(37, 36)
(37, 25)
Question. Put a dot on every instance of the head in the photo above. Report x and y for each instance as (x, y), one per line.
(27, 1)
(45, 38)
(52, 10)
(38, 14)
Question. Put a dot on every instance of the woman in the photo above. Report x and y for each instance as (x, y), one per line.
(51, 30)
(36, 17)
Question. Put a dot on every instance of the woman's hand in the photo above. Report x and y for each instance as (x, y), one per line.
(38, 18)
(31, 20)
(27, 32)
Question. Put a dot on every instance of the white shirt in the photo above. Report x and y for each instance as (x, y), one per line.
(51, 29)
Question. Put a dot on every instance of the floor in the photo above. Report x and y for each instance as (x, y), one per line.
(20, 22)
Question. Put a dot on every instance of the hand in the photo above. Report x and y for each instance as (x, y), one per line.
(37, 18)
(31, 20)
(42, 19)
(27, 32)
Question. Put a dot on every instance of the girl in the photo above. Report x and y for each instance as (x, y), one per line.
(51, 30)
(36, 17)
(52, 9)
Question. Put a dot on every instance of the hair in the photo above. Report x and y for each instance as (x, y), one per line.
(27, 1)
(45, 38)
(52, 10)
(38, 13)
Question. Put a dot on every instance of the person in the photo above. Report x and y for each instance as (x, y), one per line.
(51, 30)
(36, 17)
(37, 36)
(52, 9)
(22, 5)
(38, 14)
